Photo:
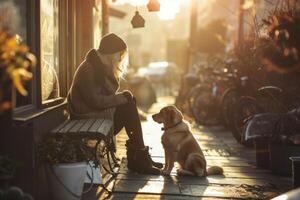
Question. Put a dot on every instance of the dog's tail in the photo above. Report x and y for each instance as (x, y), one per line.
(215, 170)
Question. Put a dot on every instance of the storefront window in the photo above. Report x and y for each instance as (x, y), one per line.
(49, 50)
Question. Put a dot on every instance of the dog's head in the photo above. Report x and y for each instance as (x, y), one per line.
(168, 115)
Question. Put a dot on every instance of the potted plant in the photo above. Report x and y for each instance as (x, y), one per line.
(7, 170)
(66, 163)
(8, 167)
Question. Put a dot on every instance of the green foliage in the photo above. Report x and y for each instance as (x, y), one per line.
(64, 150)
(283, 50)
(14, 193)
(8, 166)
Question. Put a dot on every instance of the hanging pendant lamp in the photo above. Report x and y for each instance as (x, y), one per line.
(153, 6)
(138, 21)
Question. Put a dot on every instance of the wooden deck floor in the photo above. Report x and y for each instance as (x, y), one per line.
(241, 180)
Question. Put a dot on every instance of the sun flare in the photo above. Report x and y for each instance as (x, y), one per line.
(168, 9)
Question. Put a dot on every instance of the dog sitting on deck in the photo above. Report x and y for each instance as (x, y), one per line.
(181, 146)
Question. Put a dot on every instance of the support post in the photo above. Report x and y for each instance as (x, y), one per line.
(241, 24)
(191, 50)
(193, 34)
(105, 17)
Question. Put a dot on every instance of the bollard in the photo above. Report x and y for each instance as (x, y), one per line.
(296, 171)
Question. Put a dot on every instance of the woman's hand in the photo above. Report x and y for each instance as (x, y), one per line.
(128, 95)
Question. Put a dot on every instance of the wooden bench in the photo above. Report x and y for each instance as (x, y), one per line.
(100, 130)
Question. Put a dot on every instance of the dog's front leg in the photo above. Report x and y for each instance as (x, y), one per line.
(169, 166)
(166, 160)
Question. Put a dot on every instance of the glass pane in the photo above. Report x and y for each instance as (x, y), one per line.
(13, 16)
(49, 50)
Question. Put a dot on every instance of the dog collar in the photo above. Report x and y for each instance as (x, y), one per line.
(166, 128)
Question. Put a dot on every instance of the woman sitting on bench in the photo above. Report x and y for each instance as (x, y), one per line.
(94, 94)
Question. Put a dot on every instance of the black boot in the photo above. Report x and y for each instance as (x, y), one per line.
(139, 160)
(155, 164)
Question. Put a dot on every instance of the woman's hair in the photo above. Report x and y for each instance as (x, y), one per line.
(117, 61)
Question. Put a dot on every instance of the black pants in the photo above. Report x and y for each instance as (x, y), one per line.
(127, 116)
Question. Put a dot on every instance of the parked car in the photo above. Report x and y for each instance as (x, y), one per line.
(164, 75)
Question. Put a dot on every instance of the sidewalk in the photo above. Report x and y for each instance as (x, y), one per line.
(241, 179)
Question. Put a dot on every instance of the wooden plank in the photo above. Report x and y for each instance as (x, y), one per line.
(77, 126)
(152, 197)
(171, 188)
(150, 187)
(221, 192)
(68, 126)
(87, 125)
(95, 126)
(123, 168)
(56, 130)
(210, 180)
(105, 127)
(231, 163)
(251, 175)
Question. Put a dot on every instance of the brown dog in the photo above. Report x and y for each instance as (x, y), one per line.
(180, 145)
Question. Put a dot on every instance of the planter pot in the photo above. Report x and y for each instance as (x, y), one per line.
(279, 157)
(66, 180)
(262, 152)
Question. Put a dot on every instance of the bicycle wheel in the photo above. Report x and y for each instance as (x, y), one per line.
(203, 106)
(244, 109)
(228, 100)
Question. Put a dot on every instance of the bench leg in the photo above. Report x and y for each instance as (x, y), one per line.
(108, 151)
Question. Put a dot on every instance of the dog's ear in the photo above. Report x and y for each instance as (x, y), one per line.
(180, 115)
(170, 116)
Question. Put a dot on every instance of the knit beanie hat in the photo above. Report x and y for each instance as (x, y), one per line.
(111, 43)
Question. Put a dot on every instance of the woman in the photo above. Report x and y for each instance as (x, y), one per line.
(94, 94)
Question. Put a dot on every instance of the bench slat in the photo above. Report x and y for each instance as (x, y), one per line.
(87, 125)
(68, 126)
(105, 127)
(56, 130)
(96, 125)
(77, 126)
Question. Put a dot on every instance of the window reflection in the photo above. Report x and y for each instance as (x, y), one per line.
(13, 18)
(49, 50)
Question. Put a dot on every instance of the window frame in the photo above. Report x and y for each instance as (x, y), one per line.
(70, 14)
(32, 41)
(58, 100)
(33, 33)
